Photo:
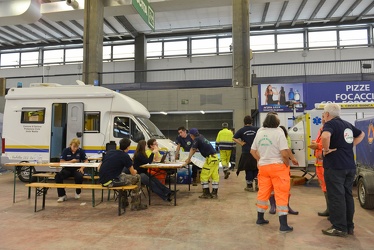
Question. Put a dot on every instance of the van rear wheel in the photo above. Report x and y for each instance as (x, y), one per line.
(24, 174)
(366, 200)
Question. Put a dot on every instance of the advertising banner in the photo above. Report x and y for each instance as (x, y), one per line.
(276, 97)
(338, 92)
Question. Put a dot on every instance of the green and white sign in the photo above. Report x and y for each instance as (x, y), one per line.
(145, 11)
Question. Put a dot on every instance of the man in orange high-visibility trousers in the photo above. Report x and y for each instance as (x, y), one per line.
(317, 147)
(270, 149)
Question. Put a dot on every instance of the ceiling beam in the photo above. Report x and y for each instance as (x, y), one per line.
(265, 12)
(127, 25)
(281, 13)
(19, 34)
(51, 27)
(349, 11)
(302, 5)
(68, 28)
(2, 38)
(332, 11)
(319, 6)
(366, 10)
(11, 35)
(33, 25)
(78, 25)
(27, 30)
(110, 26)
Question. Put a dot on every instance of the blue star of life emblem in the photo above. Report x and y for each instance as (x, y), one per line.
(317, 120)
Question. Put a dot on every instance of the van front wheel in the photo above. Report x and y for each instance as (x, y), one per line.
(24, 174)
(366, 200)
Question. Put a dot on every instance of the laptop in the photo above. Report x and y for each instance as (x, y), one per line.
(164, 157)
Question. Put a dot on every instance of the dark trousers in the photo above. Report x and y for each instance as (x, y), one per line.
(250, 175)
(157, 187)
(339, 183)
(194, 171)
(66, 173)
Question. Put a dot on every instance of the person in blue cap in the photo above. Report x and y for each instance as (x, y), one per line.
(210, 168)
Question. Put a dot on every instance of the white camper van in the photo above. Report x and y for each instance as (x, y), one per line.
(40, 121)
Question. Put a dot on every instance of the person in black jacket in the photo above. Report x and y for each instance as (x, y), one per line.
(140, 158)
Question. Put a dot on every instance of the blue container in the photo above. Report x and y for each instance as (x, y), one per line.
(183, 177)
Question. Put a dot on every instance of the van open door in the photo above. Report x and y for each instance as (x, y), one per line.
(67, 123)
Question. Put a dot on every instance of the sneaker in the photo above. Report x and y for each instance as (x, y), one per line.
(62, 198)
(77, 196)
(350, 231)
(334, 232)
(227, 174)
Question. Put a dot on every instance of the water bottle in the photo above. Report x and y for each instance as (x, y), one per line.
(291, 95)
(172, 156)
(297, 96)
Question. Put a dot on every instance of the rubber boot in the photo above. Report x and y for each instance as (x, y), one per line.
(284, 227)
(214, 193)
(206, 194)
(290, 210)
(226, 173)
(260, 219)
(272, 204)
(326, 213)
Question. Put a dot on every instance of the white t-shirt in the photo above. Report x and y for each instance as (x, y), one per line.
(269, 142)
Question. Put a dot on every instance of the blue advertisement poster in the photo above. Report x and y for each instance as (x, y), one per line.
(338, 92)
(276, 97)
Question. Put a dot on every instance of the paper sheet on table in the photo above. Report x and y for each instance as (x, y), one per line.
(196, 159)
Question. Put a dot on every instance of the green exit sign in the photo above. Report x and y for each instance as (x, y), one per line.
(145, 11)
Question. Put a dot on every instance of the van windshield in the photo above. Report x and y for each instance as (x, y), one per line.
(150, 128)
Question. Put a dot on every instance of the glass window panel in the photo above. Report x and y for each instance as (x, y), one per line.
(10, 59)
(175, 48)
(74, 55)
(263, 42)
(224, 44)
(92, 122)
(353, 37)
(123, 51)
(54, 56)
(287, 41)
(322, 38)
(154, 49)
(29, 57)
(107, 52)
(33, 115)
(201, 46)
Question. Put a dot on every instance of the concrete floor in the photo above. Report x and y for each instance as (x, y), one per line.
(225, 223)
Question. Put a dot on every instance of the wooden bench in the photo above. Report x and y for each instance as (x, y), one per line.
(122, 191)
(51, 175)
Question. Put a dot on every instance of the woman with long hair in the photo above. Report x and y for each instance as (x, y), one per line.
(141, 158)
(269, 95)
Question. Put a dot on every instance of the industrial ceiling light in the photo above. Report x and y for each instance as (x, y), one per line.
(366, 66)
(73, 3)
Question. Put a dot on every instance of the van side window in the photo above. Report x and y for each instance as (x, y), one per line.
(92, 122)
(125, 127)
(32, 115)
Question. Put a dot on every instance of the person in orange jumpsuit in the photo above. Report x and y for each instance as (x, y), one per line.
(317, 147)
(270, 149)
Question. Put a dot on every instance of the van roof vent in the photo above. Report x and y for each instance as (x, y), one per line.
(44, 84)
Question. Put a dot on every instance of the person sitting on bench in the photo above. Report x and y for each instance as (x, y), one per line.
(111, 173)
(72, 154)
(141, 158)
